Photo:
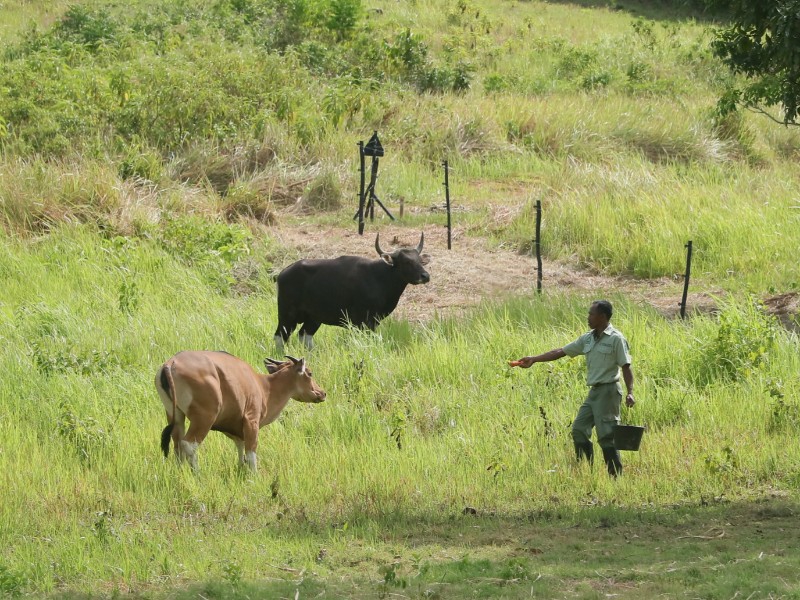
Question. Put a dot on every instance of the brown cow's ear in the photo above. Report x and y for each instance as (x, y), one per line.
(301, 366)
(424, 258)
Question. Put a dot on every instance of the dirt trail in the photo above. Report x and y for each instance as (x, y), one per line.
(473, 271)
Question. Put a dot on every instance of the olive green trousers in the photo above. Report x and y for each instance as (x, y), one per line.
(601, 411)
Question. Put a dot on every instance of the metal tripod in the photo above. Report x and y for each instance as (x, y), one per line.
(366, 196)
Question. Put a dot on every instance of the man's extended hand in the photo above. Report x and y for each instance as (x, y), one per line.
(527, 361)
(629, 401)
(524, 362)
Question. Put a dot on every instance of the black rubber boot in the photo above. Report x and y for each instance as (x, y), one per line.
(614, 464)
(584, 450)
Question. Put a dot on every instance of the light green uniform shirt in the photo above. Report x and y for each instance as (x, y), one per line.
(604, 355)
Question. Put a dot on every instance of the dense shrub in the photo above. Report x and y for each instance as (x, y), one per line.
(91, 29)
(166, 77)
(746, 335)
(197, 240)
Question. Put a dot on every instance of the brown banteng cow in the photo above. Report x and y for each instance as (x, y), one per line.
(219, 392)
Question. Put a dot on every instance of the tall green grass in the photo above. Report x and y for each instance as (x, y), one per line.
(636, 219)
(420, 422)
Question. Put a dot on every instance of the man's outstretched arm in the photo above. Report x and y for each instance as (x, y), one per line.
(527, 361)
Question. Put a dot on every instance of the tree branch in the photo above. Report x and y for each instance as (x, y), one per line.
(759, 110)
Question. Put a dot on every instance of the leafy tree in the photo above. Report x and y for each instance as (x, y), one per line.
(763, 44)
(342, 17)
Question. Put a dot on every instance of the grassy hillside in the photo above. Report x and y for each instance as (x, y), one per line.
(151, 154)
(231, 109)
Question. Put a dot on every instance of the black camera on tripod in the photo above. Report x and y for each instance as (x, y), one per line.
(366, 195)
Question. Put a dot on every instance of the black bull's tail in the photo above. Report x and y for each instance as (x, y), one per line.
(168, 384)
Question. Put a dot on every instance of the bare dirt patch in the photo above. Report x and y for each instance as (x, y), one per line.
(474, 271)
(786, 307)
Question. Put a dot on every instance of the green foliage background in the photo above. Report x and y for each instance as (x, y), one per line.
(149, 149)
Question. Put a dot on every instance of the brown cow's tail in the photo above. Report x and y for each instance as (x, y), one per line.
(168, 384)
(166, 435)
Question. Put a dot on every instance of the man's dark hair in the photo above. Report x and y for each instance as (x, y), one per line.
(604, 306)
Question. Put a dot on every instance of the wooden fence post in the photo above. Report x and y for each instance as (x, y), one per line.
(447, 204)
(686, 278)
(539, 246)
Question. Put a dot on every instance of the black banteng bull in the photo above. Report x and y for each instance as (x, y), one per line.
(345, 290)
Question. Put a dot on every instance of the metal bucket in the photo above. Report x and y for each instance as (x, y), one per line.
(628, 437)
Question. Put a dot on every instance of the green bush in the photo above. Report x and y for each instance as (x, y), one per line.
(784, 416)
(745, 336)
(53, 107)
(197, 240)
(83, 433)
(55, 357)
(407, 52)
(342, 17)
(215, 248)
(86, 27)
(12, 583)
(495, 83)
(597, 80)
(575, 62)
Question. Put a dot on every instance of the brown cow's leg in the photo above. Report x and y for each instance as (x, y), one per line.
(239, 447)
(178, 433)
(250, 430)
(189, 450)
(202, 417)
(198, 430)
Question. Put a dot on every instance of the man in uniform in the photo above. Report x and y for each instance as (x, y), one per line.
(606, 352)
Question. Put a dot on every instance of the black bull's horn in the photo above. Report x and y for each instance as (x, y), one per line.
(381, 252)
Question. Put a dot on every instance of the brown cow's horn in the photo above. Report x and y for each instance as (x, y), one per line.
(378, 245)
(299, 363)
(421, 241)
